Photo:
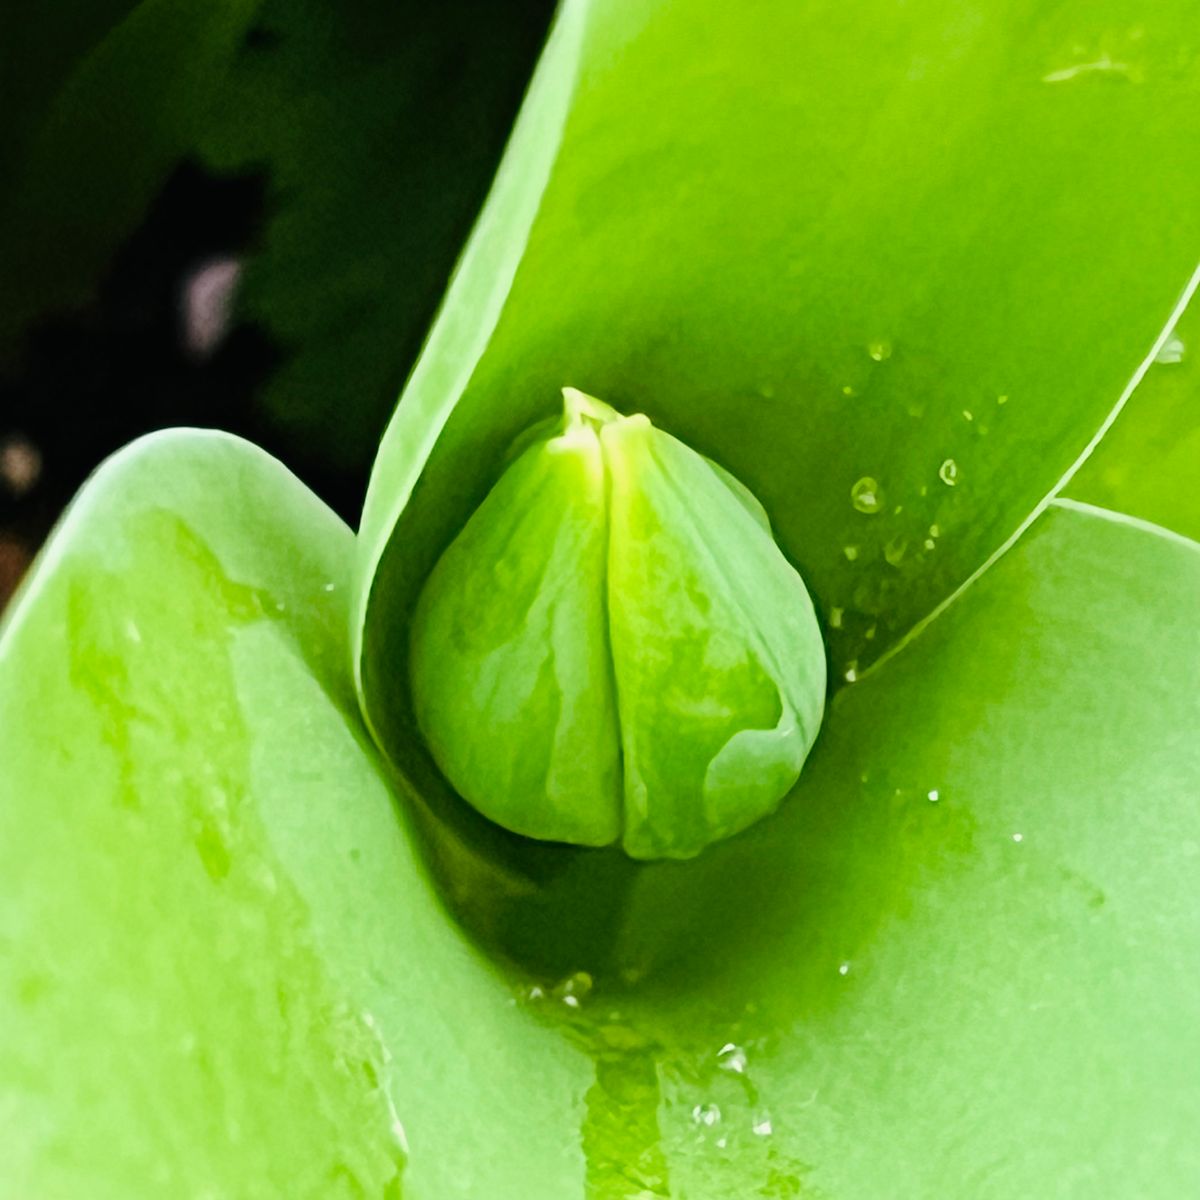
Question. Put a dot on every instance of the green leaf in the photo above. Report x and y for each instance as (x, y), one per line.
(381, 125)
(823, 246)
(212, 924)
(1146, 465)
(965, 949)
(128, 110)
(962, 951)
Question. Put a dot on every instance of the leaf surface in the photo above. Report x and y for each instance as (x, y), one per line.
(821, 245)
(962, 950)
(212, 923)
(1148, 462)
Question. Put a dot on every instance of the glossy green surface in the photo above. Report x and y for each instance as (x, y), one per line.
(1149, 463)
(214, 937)
(512, 672)
(927, 248)
(613, 650)
(961, 954)
(964, 952)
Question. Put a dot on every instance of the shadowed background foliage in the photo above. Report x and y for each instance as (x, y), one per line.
(329, 156)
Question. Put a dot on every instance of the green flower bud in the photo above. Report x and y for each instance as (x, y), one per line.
(614, 648)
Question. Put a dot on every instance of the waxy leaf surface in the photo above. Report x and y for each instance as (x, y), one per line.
(963, 950)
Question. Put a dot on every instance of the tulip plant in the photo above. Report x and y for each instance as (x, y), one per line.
(322, 866)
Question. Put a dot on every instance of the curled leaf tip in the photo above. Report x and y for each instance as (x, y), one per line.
(614, 649)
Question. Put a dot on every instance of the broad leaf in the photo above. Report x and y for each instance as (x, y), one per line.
(211, 922)
(822, 245)
(1147, 463)
(962, 951)
(79, 177)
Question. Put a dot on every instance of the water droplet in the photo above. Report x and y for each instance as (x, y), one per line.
(732, 1057)
(851, 552)
(329, 587)
(923, 490)
(1002, 400)
(934, 795)
(844, 969)
(880, 350)
(851, 673)
(930, 544)
(895, 550)
(935, 531)
(1172, 350)
(968, 415)
(574, 989)
(706, 1114)
(132, 632)
(866, 496)
(1104, 65)
(835, 617)
(1018, 837)
(870, 634)
(762, 1126)
(722, 1142)
(948, 472)
(848, 390)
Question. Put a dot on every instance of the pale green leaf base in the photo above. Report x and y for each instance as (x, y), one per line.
(213, 923)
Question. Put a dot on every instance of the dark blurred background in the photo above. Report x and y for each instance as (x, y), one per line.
(238, 215)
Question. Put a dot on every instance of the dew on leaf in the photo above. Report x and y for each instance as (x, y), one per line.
(851, 552)
(895, 550)
(948, 472)
(835, 617)
(933, 795)
(866, 496)
(731, 1057)
(574, 989)
(706, 1114)
(1102, 65)
(880, 349)
(1172, 350)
